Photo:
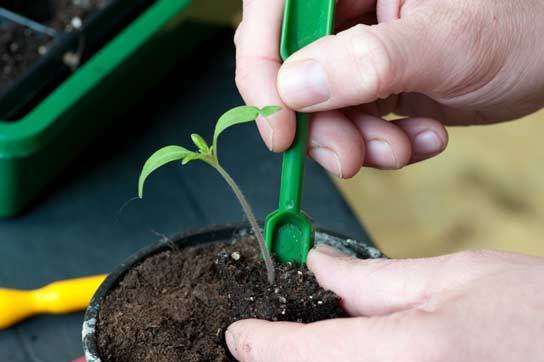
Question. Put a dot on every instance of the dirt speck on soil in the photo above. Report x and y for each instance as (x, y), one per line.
(20, 47)
(65, 11)
(176, 305)
(57, 14)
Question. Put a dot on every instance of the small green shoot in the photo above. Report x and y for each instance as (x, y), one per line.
(207, 154)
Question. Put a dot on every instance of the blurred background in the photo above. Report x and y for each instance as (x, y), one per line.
(485, 191)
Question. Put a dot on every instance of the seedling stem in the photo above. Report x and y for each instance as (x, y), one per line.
(208, 155)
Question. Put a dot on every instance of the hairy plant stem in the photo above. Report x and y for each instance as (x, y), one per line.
(251, 218)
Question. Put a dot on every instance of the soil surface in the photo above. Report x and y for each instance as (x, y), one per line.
(20, 47)
(176, 305)
(57, 14)
(66, 10)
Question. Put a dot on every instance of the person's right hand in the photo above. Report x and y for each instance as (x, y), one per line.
(436, 62)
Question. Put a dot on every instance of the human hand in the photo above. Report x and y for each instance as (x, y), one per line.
(436, 62)
(472, 306)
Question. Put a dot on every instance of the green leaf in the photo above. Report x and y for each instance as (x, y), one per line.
(269, 110)
(200, 143)
(160, 158)
(238, 115)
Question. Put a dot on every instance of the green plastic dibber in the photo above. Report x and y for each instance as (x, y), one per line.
(289, 233)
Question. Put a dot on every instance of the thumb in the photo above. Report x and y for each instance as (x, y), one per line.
(349, 339)
(361, 65)
(381, 286)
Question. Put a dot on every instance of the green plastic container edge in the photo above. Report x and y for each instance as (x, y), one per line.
(22, 137)
(36, 149)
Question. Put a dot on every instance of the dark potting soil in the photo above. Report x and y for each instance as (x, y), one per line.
(20, 47)
(57, 14)
(176, 305)
(66, 10)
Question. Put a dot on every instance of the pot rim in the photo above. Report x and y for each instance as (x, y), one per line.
(200, 236)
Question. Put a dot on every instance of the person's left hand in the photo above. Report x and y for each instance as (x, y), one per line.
(471, 306)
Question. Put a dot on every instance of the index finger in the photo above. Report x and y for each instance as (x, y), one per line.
(257, 64)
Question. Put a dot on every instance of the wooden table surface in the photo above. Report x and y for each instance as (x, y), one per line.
(485, 191)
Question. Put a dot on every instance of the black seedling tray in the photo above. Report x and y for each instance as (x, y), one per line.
(66, 47)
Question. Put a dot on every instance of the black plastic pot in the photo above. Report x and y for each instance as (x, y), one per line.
(47, 72)
(220, 234)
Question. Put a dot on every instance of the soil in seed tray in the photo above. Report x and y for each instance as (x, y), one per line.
(20, 47)
(66, 10)
(176, 305)
(57, 14)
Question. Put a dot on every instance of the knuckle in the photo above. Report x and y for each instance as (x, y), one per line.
(371, 61)
(238, 35)
(251, 71)
(243, 74)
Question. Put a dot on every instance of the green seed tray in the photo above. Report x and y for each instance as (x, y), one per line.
(36, 148)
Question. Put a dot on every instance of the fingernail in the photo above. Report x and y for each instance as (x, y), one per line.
(428, 142)
(303, 83)
(381, 154)
(327, 158)
(231, 343)
(329, 251)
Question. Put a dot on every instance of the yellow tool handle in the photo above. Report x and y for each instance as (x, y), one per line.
(59, 297)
